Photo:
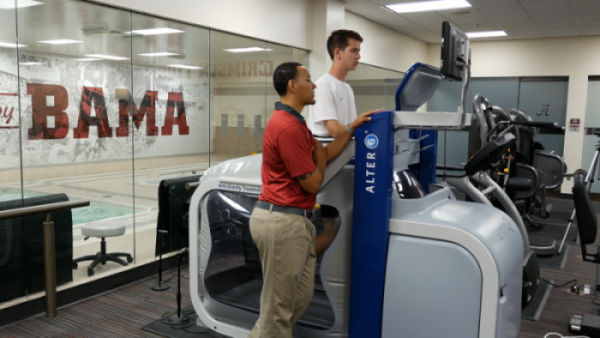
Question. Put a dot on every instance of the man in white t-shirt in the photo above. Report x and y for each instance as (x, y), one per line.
(335, 109)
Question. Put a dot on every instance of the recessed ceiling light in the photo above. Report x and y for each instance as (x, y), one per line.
(29, 63)
(86, 59)
(155, 31)
(475, 35)
(10, 4)
(184, 67)
(107, 57)
(247, 50)
(424, 6)
(159, 54)
(60, 41)
(11, 45)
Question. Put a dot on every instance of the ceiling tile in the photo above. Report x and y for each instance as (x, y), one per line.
(519, 28)
(474, 15)
(521, 19)
(583, 3)
(588, 32)
(364, 2)
(531, 36)
(512, 17)
(551, 14)
(526, 32)
(564, 22)
(422, 16)
(483, 27)
(587, 24)
(587, 13)
(543, 3)
(373, 12)
(389, 2)
(490, 2)
(561, 32)
(509, 7)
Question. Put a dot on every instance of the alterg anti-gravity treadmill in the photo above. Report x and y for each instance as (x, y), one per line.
(421, 267)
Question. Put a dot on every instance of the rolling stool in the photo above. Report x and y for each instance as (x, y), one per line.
(101, 231)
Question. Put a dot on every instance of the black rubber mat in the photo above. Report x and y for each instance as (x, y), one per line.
(554, 231)
(556, 261)
(534, 309)
(319, 314)
(161, 328)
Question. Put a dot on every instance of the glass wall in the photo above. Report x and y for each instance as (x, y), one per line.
(122, 109)
(12, 261)
(374, 87)
(591, 126)
(242, 93)
(169, 126)
(544, 99)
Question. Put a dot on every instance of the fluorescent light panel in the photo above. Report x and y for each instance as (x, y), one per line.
(425, 6)
(29, 63)
(86, 59)
(107, 57)
(247, 50)
(473, 35)
(184, 66)
(60, 41)
(155, 31)
(10, 4)
(11, 45)
(159, 54)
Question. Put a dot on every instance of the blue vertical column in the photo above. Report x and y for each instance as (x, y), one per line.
(428, 159)
(374, 162)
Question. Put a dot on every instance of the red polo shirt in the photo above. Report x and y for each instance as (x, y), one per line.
(287, 154)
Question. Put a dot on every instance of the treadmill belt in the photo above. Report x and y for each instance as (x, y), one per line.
(319, 314)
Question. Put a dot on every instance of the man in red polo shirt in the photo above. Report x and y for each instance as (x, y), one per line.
(292, 173)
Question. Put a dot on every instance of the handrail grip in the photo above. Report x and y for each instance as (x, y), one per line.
(38, 209)
(191, 185)
(49, 250)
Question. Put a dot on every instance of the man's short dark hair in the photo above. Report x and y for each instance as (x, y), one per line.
(283, 74)
(339, 39)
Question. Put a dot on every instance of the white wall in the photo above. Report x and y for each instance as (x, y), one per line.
(384, 47)
(575, 57)
(287, 22)
(328, 16)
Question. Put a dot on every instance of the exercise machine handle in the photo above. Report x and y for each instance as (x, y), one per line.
(552, 125)
(449, 167)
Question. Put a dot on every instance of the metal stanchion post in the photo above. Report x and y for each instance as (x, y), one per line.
(160, 286)
(50, 266)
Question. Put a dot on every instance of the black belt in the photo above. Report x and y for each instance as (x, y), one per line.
(286, 210)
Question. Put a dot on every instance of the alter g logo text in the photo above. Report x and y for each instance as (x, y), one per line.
(371, 141)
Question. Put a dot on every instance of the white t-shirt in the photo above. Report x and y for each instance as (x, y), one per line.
(334, 101)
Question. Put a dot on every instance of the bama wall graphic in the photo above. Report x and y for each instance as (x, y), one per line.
(79, 112)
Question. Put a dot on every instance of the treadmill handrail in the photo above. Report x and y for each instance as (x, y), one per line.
(339, 162)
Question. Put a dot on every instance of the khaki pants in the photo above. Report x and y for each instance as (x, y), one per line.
(285, 244)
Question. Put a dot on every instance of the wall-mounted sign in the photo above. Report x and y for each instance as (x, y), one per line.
(574, 124)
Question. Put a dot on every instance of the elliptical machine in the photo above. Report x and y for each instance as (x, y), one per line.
(476, 170)
(493, 121)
